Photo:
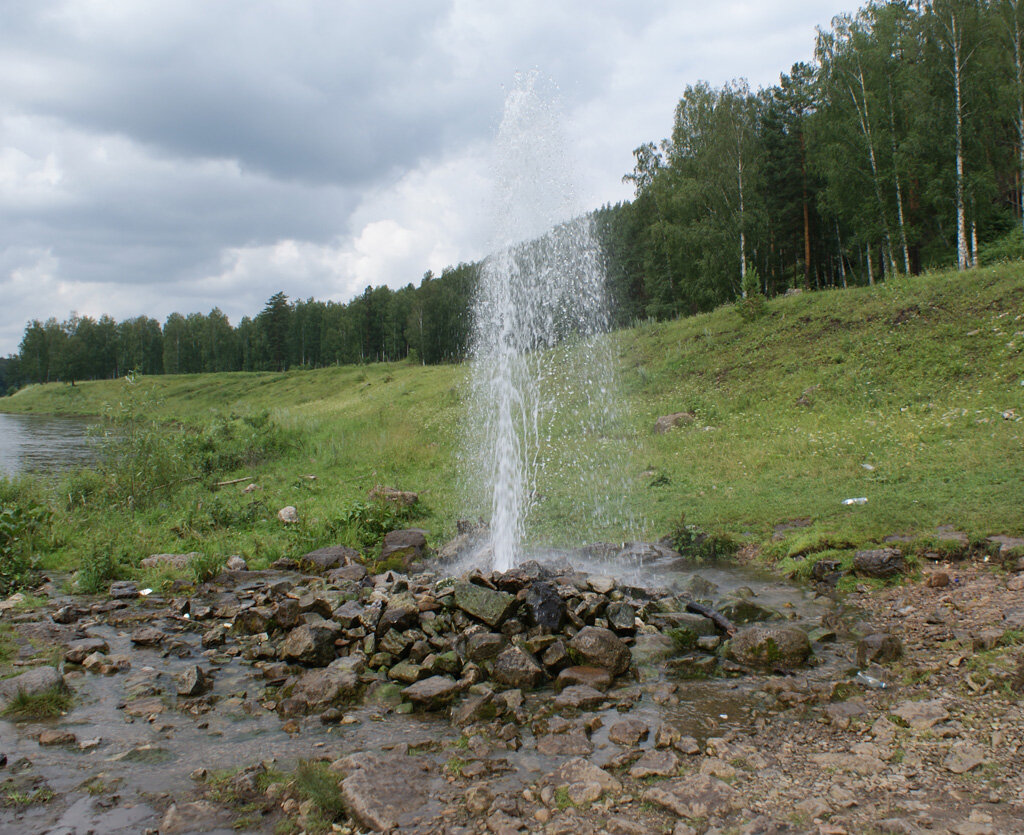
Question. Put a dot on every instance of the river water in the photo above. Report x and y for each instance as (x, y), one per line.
(43, 444)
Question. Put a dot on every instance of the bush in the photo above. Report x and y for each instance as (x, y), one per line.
(1010, 247)
(19, 527)
(753, 304)
(100, 565)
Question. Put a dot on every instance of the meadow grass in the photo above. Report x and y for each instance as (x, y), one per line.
(909, 394)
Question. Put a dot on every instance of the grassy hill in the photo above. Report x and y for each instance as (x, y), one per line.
(909, 394)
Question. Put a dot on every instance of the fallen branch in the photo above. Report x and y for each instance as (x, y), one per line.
(233, 481)
(717, 618)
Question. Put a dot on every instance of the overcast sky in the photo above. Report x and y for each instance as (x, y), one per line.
(176, 156)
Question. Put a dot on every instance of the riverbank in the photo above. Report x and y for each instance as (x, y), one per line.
(904, 398)
(215, 708)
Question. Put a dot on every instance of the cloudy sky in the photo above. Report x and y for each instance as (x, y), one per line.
(162, 156)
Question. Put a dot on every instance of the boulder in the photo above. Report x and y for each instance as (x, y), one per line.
(77, 651)
(596, 677)
(879, 562)
(327, 687)
(665, 423)
(309, 644)
(402, 612)
(432, 693)
(514, 667)
(879, 648)
(544, 607)
(652, 648)
(601, 647)
(331, 557)
(32, 682)
(407, 545)
(193, 682)
(487, 605)
(770, 645)
(396, 498)
(178, 562)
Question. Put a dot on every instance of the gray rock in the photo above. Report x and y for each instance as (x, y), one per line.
(602, 648)
(694, 796)
(401, 612)
(661, 763)
(580, 697)
(665, 423)
(597, 677)
(147, 636)
(175, 561)
(742, 610)
(307, 644)
(879, 562)
(183, 818)
(628, 732)
(331, 557)
(879, 648)
(652, 648)
(482, 646)
(193, 682)
(346, 574)
(544, 606)
(32, 682)
(487, 605)
(432, 693)
(922, 715)
(124, 590)
(621, 617)
(77, 651)
(770, 645)
(407, 545)
(384, 794)
(328, 687)
(514, 667)
(288, 515)
(571, 744)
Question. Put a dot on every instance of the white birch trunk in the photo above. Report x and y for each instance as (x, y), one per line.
(899, 190)
(961, 216)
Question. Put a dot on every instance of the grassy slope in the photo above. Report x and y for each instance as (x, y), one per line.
(910, 377)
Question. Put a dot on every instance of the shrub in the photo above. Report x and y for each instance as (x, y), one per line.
(19, 526)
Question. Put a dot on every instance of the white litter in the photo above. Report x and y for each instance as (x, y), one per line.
(859, 500)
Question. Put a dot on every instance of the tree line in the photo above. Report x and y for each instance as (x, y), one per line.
(899, 148)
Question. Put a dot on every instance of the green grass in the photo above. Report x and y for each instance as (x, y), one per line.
(45, 705)
(910, 378)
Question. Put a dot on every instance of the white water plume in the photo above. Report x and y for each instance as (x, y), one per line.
(543, 395)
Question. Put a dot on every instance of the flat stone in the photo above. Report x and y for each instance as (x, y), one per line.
(487, 605)
(862, 764)
(147, 636)
(661, 763)
(879, 562)
(346, 574)
(123, 590)
(578, 770)
(198, 816)
(694, 796)
(596, 677)
(385, 793)
(628, 732)
(55, 736)
(922, 715)
(580, 697)
(432, 693)
(571, 744)
(601, 584)
(963, 757)
(145, 707)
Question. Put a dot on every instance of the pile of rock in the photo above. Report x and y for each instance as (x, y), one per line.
(435, 638)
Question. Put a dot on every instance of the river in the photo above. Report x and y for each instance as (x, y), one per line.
(43, 444)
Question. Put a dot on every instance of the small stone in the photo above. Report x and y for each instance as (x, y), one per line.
(879, 648)
(938, 580)
(288, 515)
(148, 636)
(124, 590)
(596, 677)
(77, 651)
(922, 715)
(432, 693)
(236, 563)
(580, 697)
(602, 648)
(55, 736)
(572, 744)
(516, 668)
(193, 682)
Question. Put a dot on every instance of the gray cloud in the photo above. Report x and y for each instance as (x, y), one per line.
(158, 156)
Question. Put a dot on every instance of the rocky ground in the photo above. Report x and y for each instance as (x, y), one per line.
(316, 698)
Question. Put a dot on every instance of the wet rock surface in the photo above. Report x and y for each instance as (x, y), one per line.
(601, 723)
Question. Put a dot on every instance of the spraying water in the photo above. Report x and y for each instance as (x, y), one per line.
(543, 394)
